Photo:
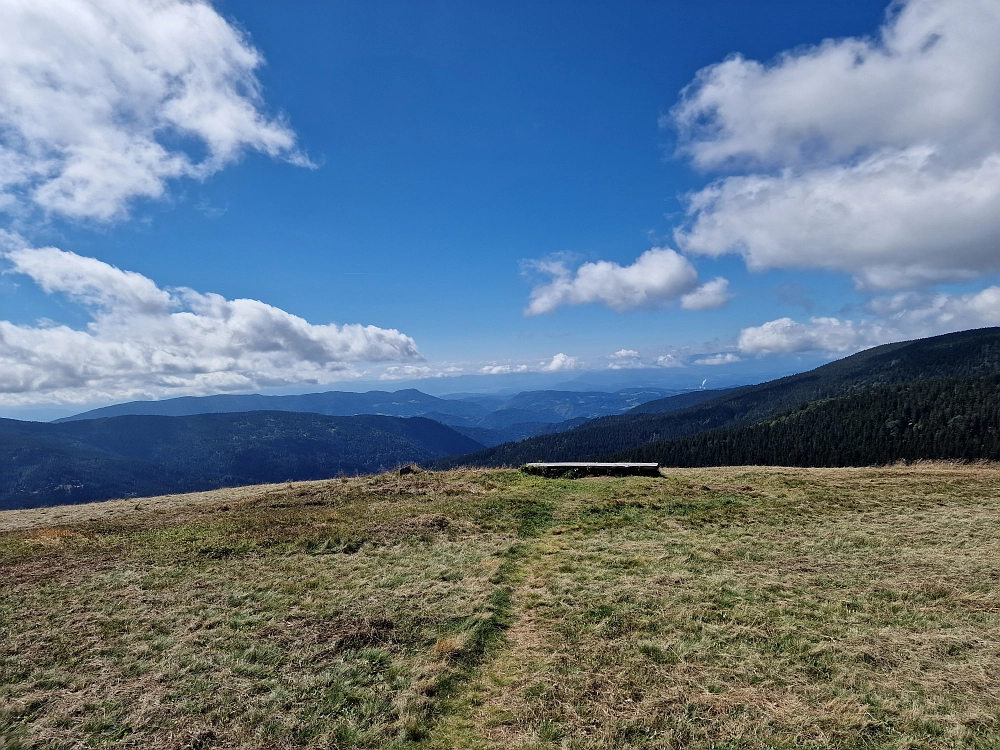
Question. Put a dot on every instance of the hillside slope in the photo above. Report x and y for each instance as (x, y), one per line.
(968, 354)
(490, 436)
(560, 406)
(678, 402)
(86, 460)
(934, 419)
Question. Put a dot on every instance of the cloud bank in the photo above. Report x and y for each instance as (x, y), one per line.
(723, 358)
(625, 359)
(657, 277)
(105, 101)
(558, 363)
(625, 354)
(899, 317)
(668, 360)
(878, 157)
(502, 369)
(144, 341)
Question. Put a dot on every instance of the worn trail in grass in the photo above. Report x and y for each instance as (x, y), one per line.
(716, 608)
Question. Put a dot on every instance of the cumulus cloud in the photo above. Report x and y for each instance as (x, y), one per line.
(502, 369)
(657, 277)
(558, 363)
(709, 296)
(876, 156)
(144, 341)
(900, 317)
(105, 101)
(725, 358)
(418, 372)
(668, 360)
(786, 335)
(625, 359)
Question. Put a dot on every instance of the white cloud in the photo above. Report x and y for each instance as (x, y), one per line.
(786, 335)
(418, 372)
(709, 296)
(105, 101)
(558, 363)
(668, 360)
(718, 359)
(625, 359)
(915, 315)
(502, 369)
(900, 317)
(658, 276)
(831, 101)
(893, 220)
(144, 341)
(878, 157)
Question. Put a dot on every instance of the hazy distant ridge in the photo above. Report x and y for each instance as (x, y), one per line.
(404, 403)
(488, 419)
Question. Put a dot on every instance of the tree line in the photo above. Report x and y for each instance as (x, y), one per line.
(938, 418)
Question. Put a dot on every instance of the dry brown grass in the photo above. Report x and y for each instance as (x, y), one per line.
(760, 608)
(715, 608)
(134, 509)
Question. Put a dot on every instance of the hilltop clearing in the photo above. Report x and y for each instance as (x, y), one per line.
(726, 607)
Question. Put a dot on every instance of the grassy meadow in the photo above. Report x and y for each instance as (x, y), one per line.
(714, 608)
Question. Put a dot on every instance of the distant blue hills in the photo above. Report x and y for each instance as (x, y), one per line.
(145, 448)
(488, 419)
(43, 463)
(933, 398)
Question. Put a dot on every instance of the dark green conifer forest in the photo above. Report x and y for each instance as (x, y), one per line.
(940, 418)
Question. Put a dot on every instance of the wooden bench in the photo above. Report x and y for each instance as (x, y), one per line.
(576, 469)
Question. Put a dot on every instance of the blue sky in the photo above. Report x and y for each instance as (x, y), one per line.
(443, 170)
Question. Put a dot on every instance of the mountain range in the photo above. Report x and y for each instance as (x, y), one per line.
(157, 447)
(487, 418)
(956, 358)
(934, 398)
(140, 455)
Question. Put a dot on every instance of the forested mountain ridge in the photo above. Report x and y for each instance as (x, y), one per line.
(963, 355)
(488, 419)
(81, 461)
(490, 436)
(679, 401)
(936, 418)
(558, 406)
